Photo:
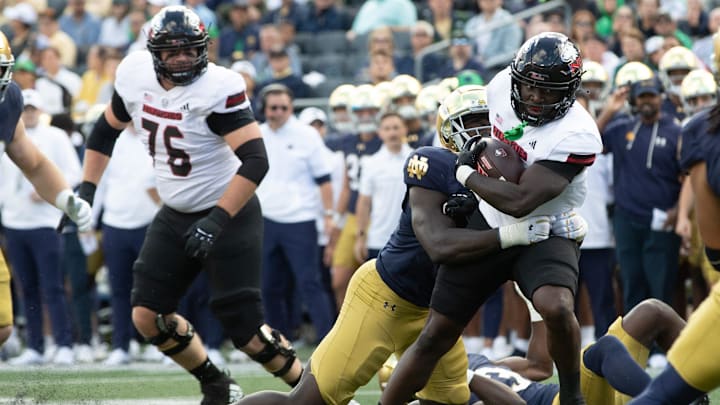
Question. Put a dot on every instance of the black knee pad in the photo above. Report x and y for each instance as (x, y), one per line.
(168, 330)
(273, 347)
(240, 314)
(714, 257)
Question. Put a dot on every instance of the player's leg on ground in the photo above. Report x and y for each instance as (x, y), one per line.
(417, 363)
(556, 305)
(608, 358)
(653, 321)
(306, 392)
(693, 368)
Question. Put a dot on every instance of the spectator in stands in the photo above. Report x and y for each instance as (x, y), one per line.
(383, 13)
(498, 46)
(582, 26)
(153, 7)
(83, 28)
(421, 35)
(21, 18)
(654, 50)
(115, 27)
(295, 187)
(325, 15)
(33, 246)
(461, 57)
(604, 10)
(381, 69)
(624, 19)
(238, 40)
(206, 15)
(382, 188)
(703, 47)
(647, 14)
(247, 70)
(53, 69)
(647, 188)
(282, 73)
(632, 43)
(25, 74)
(666, 26)
(92, 80)
(695, 22)
(136, 20)
(443, 17)
(289, 11)
(594, 48)
(49, 27)
(270, 39)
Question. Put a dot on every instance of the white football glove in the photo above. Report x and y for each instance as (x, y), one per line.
(531, 230)
(77, 209)
(570, 225)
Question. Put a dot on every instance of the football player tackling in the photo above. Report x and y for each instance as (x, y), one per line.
(532, 107)
(195, 119)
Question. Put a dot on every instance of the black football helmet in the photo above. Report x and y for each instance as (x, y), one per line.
(548, 61)
(173, 28)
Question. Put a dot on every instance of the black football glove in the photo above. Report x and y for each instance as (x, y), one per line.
(460, 204)
(204, 232)
(471, 150)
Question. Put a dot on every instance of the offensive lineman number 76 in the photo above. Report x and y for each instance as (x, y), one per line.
(178, 159)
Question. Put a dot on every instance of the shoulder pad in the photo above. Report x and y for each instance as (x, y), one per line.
(432, 168)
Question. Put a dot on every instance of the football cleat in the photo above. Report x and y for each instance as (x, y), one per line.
(224, 391)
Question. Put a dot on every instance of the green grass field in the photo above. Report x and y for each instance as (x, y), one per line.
(141, 384)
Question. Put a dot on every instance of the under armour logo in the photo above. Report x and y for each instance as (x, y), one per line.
(387, 304)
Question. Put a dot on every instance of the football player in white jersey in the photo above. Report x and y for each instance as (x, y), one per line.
(532, 107)
(209, 156)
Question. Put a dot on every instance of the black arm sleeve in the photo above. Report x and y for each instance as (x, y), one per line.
(223, 124)
(566, 170)
(322, 179)
(102, 137)
(118, 108)
(254, 160)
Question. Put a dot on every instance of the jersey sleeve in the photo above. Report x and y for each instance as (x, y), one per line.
(13, 107)
(233, 93)
(578, 148)
(690, 149)
(431, 168)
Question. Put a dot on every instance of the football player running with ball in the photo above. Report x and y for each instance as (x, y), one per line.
(532, 107)
(195, 119)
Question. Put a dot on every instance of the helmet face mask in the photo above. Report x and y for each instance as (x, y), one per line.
(462, 115)
(7, 61)
(551, 63)
(173, 31)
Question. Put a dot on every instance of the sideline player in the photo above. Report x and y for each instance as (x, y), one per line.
(693, 367)
(41, 172)
(387, 300)
(558, 139)
(195, 120)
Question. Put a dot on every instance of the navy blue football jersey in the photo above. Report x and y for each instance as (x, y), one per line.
(10, 110)
(402, 262)
(355, 150)
(699, 144)
(532, 392)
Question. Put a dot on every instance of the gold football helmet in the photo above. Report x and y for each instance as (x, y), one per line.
(450, 84)
(365, 104)
(697, 91)
(339, 103)
(675, 64)
(384, 91)
(427, 103)
(6, 65)
(404, 93)
(595, 82)
(632, 72)
(463, 114)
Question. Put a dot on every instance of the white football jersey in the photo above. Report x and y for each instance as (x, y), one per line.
(193, 166)
(573, 138)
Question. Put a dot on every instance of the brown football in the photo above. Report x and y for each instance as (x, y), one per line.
(500, 161)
